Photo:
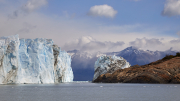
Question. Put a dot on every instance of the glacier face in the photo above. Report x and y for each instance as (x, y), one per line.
(33, 61)
(36, 61)
(62, 67)
(109, 64)
(9, 59)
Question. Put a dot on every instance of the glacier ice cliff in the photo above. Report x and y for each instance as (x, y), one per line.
(62, 67)
(33, 61)
(109, 64)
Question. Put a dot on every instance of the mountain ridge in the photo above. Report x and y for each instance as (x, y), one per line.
(83, 62)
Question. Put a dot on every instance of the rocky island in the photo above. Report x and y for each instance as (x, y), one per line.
(166, 70)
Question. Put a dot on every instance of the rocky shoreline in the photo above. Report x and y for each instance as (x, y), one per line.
(162, 71)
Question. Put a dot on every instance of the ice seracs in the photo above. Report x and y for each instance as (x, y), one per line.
(9, 59)
(36, 61)
(33, 61)
(109, 64)
(62, 66)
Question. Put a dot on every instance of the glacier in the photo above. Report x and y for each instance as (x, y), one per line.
(33, 61)
(109, 64)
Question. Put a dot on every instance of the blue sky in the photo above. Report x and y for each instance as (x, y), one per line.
(129, 11)
(77, 24)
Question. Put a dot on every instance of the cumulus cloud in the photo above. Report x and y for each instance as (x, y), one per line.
(144, 42)
(177, 41)
(108, 38)
(102, 10)
(171, 8)
(175, 44)
(87, 43)
(30, 6)
(156, 44)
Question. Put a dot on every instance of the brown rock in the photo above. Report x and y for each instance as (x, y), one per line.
(161, 71)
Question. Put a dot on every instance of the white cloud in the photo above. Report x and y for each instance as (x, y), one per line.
(37, 25)
(177, 41)
(146, 43)
(63, 30)
(30, 6)
(89, 44)
(102, 10)
(156, 44)
(175, 44)
(171, 8)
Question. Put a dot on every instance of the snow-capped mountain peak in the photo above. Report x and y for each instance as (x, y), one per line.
(83, 62)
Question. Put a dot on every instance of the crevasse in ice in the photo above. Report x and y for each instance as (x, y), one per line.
(109, 64)
(33, 61)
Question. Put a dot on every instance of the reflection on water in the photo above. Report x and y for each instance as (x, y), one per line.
(84, 91)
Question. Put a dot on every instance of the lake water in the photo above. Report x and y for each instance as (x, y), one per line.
(90, 92)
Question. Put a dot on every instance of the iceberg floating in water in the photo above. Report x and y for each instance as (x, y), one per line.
(109, 64)
(33, 61)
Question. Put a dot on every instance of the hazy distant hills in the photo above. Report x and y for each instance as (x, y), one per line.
(83, 62)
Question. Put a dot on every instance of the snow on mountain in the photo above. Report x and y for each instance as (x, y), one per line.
(33, 61)
(141, 57)
(80, 54)
(83, 62)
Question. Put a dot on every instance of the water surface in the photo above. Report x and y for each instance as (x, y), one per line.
(78, 91)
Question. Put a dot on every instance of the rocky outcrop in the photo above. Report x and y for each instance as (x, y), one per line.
(161, 71)
(109, 64)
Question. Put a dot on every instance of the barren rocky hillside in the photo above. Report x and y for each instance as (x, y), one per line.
(161, 71)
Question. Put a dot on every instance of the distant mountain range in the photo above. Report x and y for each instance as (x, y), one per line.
(83, 62)
(141, 57)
